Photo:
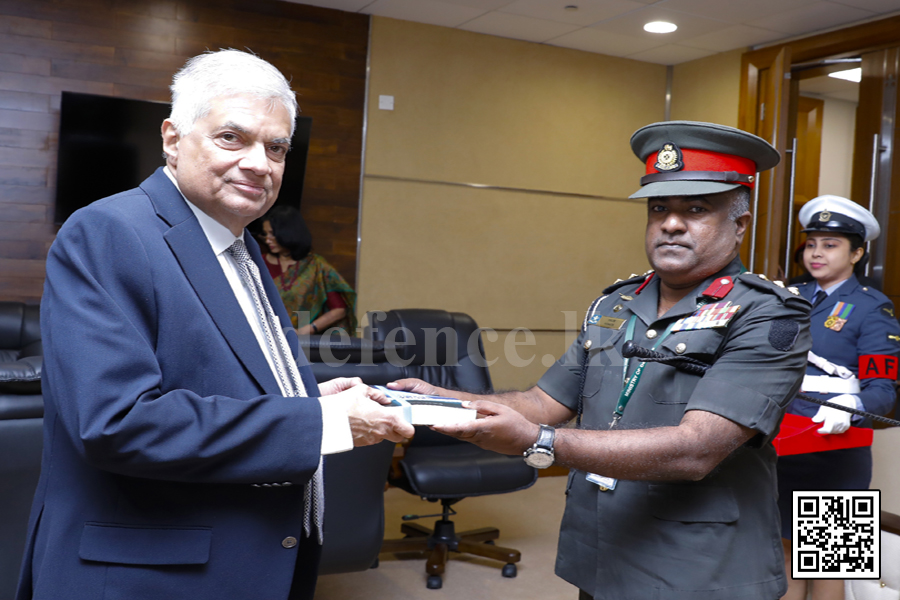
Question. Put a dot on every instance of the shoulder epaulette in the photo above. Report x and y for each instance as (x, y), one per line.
(873, 293)
(762, 283)
(606, 292)
(623, 282)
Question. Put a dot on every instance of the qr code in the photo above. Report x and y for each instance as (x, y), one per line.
(836, 535)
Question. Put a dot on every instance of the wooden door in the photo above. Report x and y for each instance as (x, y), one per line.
(765, 110)
(874, 185)
(806, 129)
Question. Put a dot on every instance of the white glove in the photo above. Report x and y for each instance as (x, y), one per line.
(832, 419)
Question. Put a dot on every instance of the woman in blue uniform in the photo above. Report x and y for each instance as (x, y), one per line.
(848, 321)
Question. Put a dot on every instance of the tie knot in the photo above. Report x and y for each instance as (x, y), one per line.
(239, 251)
(819, 297)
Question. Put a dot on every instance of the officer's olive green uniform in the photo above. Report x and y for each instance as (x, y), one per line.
(711, 539)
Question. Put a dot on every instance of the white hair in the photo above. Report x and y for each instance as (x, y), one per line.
(740, 202)
(225, 73)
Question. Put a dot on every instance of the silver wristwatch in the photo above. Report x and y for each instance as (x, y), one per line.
(540, 456)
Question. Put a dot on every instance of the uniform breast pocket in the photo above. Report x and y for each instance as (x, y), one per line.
(605, 358)
(675, 386)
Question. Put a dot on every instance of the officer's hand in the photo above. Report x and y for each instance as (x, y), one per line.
(369, 422)
(498, 428)
(416, 386)
(834, 420)
(337, 385)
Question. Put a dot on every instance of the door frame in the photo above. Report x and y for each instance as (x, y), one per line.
(764, 94)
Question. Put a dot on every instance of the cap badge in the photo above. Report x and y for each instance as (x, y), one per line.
(824, 216)
(669, 158)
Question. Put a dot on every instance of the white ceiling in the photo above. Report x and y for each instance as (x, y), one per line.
(615, 27)
(829, 87)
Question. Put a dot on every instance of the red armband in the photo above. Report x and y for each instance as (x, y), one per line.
(878, 366)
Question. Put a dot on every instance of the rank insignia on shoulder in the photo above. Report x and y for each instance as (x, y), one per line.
(708, 317)
(894, 338)
(719, 288)
(793, 290)
(888, 311)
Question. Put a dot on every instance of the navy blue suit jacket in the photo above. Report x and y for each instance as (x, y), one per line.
(161, 411)
(871, 328)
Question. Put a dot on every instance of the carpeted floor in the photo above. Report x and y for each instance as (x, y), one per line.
(528, 521)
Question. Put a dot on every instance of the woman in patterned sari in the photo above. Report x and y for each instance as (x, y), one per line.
(315, 294)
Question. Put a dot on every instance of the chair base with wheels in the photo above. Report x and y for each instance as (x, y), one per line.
(445, 349)
(436, 544)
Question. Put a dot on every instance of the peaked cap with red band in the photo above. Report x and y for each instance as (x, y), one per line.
(688, 158)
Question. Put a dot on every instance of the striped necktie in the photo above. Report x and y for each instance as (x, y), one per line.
(286, 371)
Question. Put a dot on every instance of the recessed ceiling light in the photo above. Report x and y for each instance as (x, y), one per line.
(854, 75)
(660, 27)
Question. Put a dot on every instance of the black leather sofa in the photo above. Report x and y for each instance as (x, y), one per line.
(21, 422)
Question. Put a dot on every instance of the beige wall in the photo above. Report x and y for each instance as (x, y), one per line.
(838, 133)
(546, 129)
(550, 126)
(885, 448)
(708, 89)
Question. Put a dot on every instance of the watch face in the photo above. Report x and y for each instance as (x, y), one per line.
(539, 459)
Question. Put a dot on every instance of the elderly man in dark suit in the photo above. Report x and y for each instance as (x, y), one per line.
(184, 431)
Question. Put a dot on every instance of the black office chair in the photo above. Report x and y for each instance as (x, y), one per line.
(354, 480)
(445, 349)
(21, 432)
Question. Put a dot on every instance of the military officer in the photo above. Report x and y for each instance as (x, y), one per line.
(672, 489)
(853, 361)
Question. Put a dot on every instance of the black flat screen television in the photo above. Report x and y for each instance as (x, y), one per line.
(108, 145)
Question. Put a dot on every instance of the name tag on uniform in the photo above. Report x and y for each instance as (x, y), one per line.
(607, 322)
(708, 317)
(606, 484)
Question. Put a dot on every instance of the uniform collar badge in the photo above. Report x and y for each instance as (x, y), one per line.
(643, 285)
(719, 288)
(669, 158)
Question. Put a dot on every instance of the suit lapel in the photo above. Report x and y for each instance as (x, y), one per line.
(188, 243)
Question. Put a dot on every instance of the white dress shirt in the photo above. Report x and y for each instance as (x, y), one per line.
(336, 435)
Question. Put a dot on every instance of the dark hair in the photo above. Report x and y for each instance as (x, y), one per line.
(290, 230)
(856, 242)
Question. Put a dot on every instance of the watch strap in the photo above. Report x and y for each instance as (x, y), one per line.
(546, 437)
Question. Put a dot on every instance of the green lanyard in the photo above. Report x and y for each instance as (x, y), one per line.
(629, 385)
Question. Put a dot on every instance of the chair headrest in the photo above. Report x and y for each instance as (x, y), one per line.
(427, 336)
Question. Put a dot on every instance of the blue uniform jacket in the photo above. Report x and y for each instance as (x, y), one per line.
(161, 411)
(871, 328)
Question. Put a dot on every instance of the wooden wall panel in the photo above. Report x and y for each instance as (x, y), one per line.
(131, 48)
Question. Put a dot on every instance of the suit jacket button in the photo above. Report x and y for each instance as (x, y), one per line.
(289, 542)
